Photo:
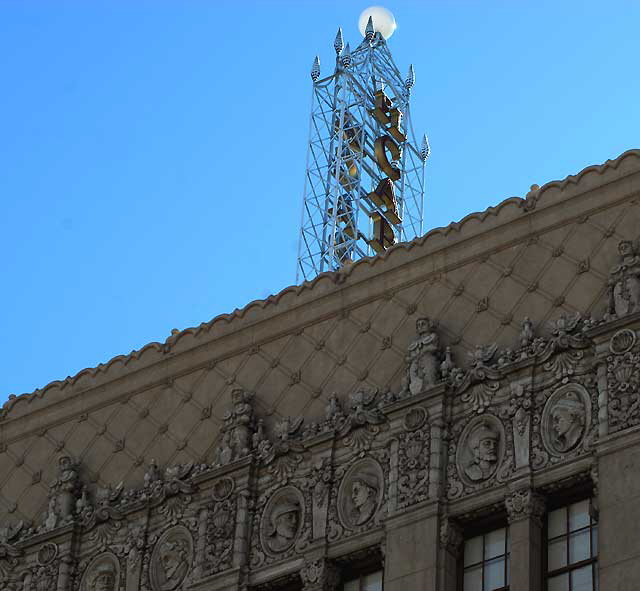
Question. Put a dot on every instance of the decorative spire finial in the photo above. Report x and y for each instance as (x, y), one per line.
(411, 78)
(369, 30)
(425, 151)
(346, 56)
(338, 44)
(315, 69)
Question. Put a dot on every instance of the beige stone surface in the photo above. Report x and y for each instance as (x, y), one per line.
(548, 257)
(477, 278)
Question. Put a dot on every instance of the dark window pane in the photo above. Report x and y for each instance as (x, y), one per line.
(579, 546)
(473, 579)
(557, 554)
(372, 582)
(494, 544)
(581, 579)
(559, 583)
(579, 515)
(494, 574)
(557, 522)
(473, 551)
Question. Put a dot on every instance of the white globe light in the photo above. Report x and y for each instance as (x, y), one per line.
(383, 21)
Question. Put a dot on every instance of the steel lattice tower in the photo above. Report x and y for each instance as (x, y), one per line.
(364, 186)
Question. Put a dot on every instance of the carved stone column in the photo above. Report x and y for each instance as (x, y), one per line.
(319, 575)
(526, 511)
(451, 540)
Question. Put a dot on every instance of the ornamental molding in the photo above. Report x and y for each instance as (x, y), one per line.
(525, 504)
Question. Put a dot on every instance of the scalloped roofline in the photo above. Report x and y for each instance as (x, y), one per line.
(531, 202)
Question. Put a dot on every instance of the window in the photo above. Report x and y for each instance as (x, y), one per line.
(370, 582)
(486, 562)
(572, 548)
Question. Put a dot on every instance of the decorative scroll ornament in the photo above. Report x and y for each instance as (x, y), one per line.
(9, 553)
(220, 529)
(284, 454)
(624, 282)
(319, 575)
(518, 410)
(622, 341)
(104, 509)
(162, 485)
(362, 421)
(562, 353)
(413, 458)
(479, 384)
(623, 381)
(524, 504)
(44, 577)
(360, 493)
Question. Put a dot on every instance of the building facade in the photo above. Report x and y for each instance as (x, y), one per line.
(458, 414)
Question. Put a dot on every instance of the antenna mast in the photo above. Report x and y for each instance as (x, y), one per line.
(364, 186)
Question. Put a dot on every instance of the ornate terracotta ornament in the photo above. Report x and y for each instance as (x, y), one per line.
(624, 281)
(171, 559)
(565, 419)
(622, 341)
(423, 358)
(102, 574)
(360, 493)
(481, 449)
(282, 519)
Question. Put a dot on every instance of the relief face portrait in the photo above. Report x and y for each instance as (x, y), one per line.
(171, 559)
(360, 493)
(104, 579)
(174, 559)
(364, 497)
(284, 524)
(480, 449)
(565, 419)
(282, 519)
(483, 442)
(101, 574)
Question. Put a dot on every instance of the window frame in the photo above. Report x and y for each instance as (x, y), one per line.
(360, 576)
(483, 530)
(564, 503)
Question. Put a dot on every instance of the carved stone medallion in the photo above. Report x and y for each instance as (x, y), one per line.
(622, 341)
(102, 574)
(415, 418)
(282, 519)
(171, 559)
(565, 418)
(48, 553)
(223, 488)
(480, 449)
(360, 493)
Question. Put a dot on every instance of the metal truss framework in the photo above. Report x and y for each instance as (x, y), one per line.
(357, 200)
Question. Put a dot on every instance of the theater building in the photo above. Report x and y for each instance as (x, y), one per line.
(459, 413)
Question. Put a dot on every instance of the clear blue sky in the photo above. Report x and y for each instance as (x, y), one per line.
(152, 153)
